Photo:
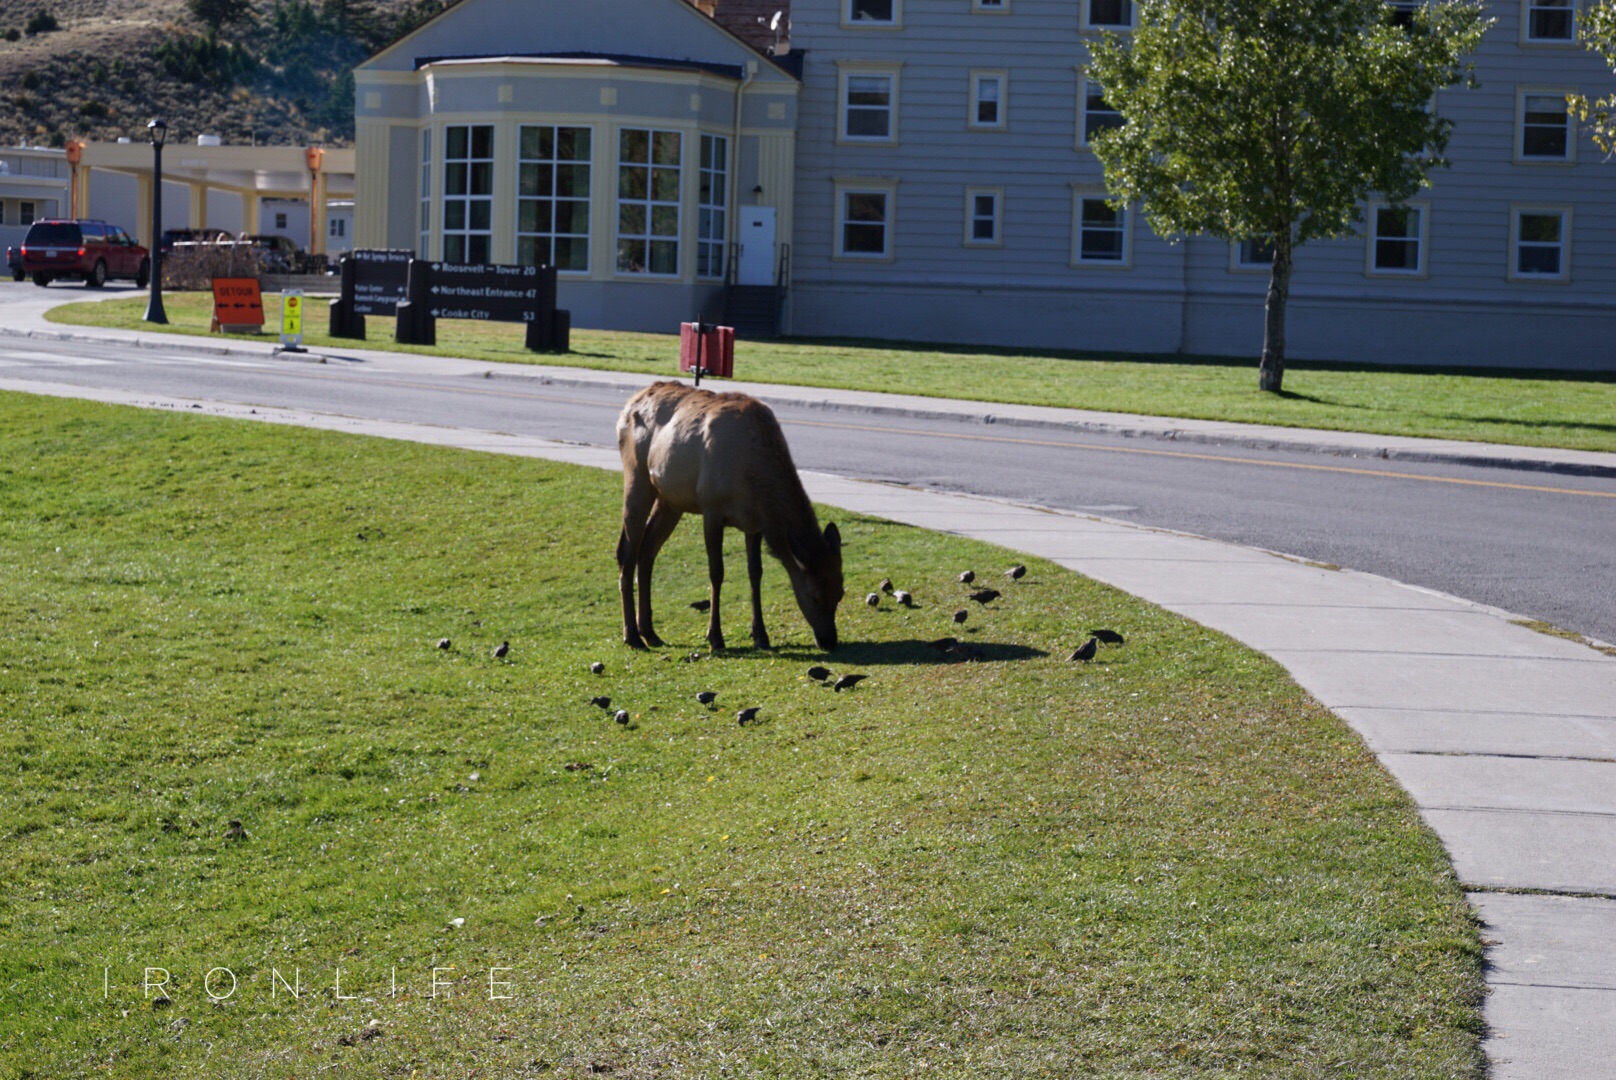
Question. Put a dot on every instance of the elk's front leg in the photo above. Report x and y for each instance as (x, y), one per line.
(713, 526)
(754, 573)
(636, 507)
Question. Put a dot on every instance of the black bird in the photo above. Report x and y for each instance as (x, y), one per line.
(960, 616)
(503, 650)
(443, 643)
(819, 674)
(874, 599)
(706, 697)
(747, 715)
(622, 716)
(886, 585)
(700, 605)
(601, 702)
(967, 577)
(1110, 637)
(1086, 651)
(942, 644)
(847, 682)
(1016, 572)
(985, 596)
(597, 667)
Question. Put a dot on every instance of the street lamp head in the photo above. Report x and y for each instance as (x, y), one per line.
(159, 132)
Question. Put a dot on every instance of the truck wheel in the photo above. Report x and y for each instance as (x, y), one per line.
(97, 276)
(41, 279)
(143, 275)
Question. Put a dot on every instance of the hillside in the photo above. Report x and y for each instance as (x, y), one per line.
(276, 74)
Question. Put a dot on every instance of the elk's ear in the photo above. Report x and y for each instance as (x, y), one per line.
(833, 536)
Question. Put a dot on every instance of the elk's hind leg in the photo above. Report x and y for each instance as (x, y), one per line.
(754, 573)
(636, 508)
(713, 528)
(657, 530)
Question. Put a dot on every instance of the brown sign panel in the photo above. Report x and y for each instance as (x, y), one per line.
(237, 302)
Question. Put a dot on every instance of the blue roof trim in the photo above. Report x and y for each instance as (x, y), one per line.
(727, 71)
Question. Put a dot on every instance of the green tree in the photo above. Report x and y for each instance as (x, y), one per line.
(216, 13)
(1599, 34)
(1274, 119)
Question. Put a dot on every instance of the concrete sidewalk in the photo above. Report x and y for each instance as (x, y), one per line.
(27, 318)
(1505, 738)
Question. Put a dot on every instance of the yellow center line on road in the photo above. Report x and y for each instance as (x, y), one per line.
(878, 429)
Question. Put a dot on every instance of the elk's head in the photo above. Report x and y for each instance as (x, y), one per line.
(815, 570)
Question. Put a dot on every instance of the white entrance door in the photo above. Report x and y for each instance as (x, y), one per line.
(756, 266)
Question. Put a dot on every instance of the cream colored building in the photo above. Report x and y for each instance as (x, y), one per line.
(482, 137)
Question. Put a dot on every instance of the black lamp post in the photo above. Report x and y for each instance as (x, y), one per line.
(154, 307)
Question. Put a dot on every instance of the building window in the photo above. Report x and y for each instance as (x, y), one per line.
(990, 7)
(25, 213)
(872, 13)
(864, 219)
(1101, 232)
(424, 248)
(1401, 12)
(983, 216)
(1108, 14)
(2, 208)
(1396, 240)
(280, 220)
(337, 227)
(552, 197)
(1540, 239)
(1545, 127)
(468, 194)
(988, 104)
(1550, 21)
(869, 102)
(1095, 114)
(1256, 253)
(648, 164)
(712, 230)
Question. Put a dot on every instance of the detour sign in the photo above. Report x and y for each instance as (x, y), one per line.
(237, 305)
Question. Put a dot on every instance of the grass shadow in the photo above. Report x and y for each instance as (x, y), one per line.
(910, 651)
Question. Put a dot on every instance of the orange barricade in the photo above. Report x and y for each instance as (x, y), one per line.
(237, 305)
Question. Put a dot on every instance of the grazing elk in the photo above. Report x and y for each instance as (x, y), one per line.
(690, 451)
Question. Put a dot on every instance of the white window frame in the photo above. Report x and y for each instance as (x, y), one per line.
(1421, 239)
(1080, 195)
(424, 251)
(990, 7)
(556, 163)
(1528, 6)
(1516, 212)
(847, 70)
(1083, 84)
(1521, 158)
(470, 197)
(970, 238)
(712, 208)
(1238, 266)
(978, 77)
(650, 204)
(1120, 28)
(850, 23)
(865, 185)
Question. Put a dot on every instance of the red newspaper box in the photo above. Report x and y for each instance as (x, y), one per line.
(713, 351)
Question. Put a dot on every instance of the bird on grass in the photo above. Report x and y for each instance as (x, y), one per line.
(746, 715)
(847, 682)
(967, 577)
(700, 605)
(597, 667)
(601, 702)
(1086, 651)
(503, 650)
(874, 599)
(234, 831)
(706, 697)
(622, 717)
(985, 596)
(886, 585)
(1110, 637)
(819, 674)
(904, 599)
(443, 643)
(1016, 572)
(960, 616)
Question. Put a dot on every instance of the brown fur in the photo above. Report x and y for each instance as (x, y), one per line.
(690, 451)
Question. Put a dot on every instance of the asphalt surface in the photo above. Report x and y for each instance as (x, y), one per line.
(1531, 543)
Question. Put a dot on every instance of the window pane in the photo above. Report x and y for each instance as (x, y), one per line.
(454, 179)
(866, 206)
(664, 257)
(984, 205)
(631, 219)
(454, 214)
(482, 214)
(867, 123)
(665, 185)
(1096, 212)
(631, 256)
(482, 141)
(982, 229)
(457, 142)
(1534, 259)
(571, 253)
(571, 216)
(1551, 20)
(870, 10)
(527, 215)
(664, 221)
(1540, 228)
(572, 180)
(665, 150)
(869, 90)
(527, 253)
(454, 249)
(1397, 255)
(634, 144)
(864, 239)
(1110, 13)
(1545, 127)
(633, 182)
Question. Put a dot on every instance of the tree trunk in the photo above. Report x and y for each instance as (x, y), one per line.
(1271, 371)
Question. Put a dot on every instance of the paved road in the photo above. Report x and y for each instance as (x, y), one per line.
(1536, 544)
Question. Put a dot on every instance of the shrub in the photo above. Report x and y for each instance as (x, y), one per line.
(30, 81)
(43, 22)
(12, 33)
(95, 110)
(194, 266)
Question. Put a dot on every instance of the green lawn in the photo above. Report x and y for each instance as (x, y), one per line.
(1575, 411)
(1168, 863)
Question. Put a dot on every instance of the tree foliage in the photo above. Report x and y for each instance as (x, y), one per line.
(215, 14)
(1275, 119)
(1599, 34)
